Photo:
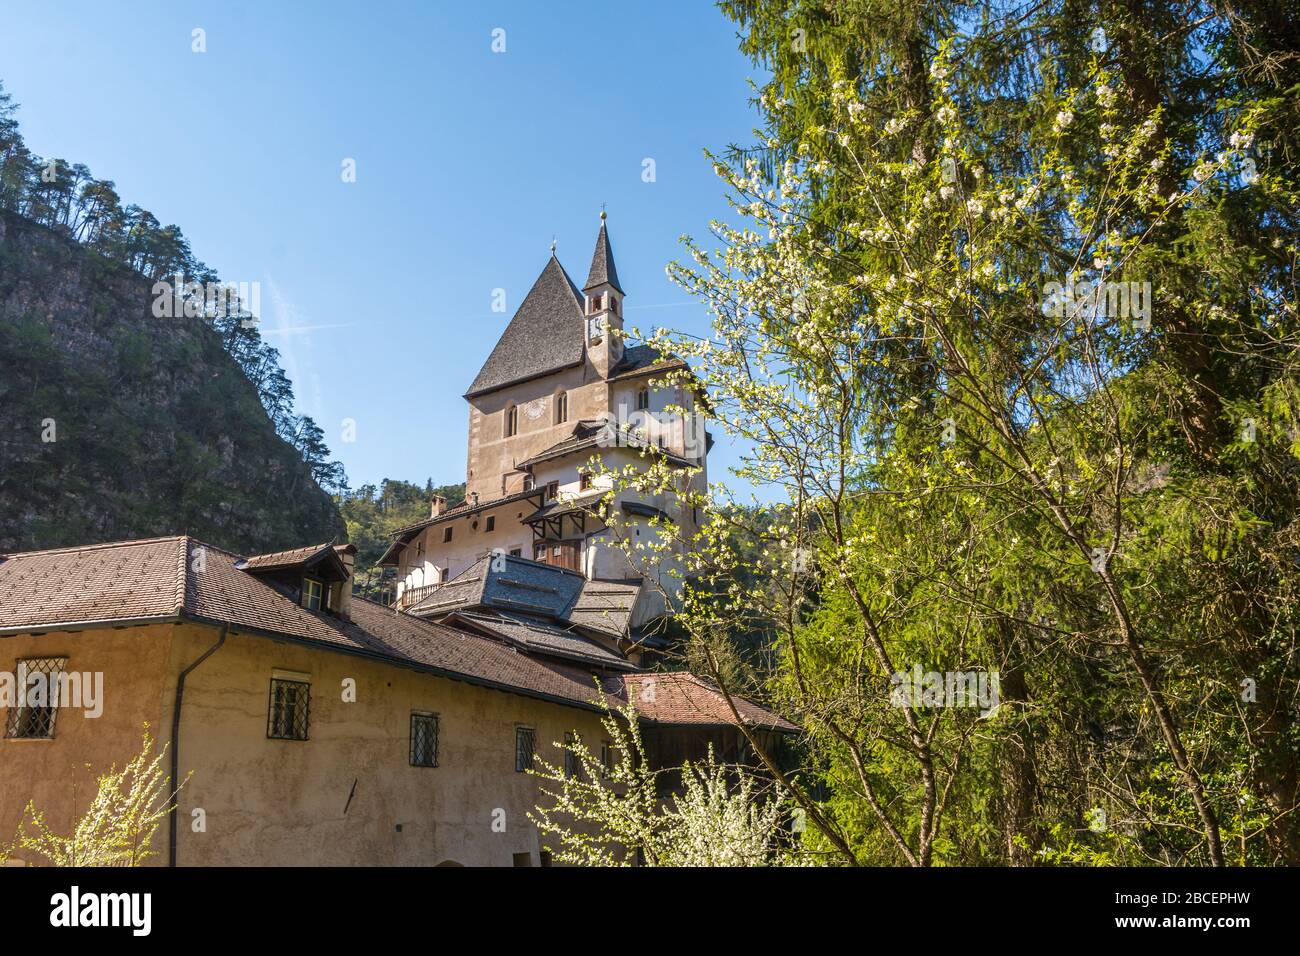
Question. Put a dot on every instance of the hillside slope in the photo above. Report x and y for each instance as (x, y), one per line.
(157, 431)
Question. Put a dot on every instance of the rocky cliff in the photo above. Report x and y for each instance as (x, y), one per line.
(116, 424)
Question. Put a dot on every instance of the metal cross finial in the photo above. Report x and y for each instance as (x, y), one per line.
(552, 245)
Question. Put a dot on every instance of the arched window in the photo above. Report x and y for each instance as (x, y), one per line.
(512, 420)
(642, 399)
(561, 407)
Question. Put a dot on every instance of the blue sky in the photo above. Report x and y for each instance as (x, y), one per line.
(378, 293)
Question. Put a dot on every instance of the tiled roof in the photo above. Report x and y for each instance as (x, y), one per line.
(585, 502)
(644, 360)
(605, 606)
(566, 447)
(285, 559)
(167, 578)
(545, 335)
(544, 638)
(602, 263)
(547, 593)
(680, 697)
(126, 580)
(596, 434)
(506, 583)
(180, 578)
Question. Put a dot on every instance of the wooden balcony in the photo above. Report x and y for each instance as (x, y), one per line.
(412, 596)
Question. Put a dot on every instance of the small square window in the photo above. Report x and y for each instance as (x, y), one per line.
(525, 746)
(288, 711)
(312, 591)
(516, 552)
(584, 481)
(424, 740)
(492, 523)
(552, 490)
(32, 715)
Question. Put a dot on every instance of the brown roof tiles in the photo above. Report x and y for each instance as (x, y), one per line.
(178, 578)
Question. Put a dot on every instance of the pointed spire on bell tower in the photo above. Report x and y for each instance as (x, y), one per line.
(602, 263)
(603, 307)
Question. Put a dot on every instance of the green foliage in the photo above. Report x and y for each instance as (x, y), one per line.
(117, 827)
(373, 513)
(615, 816)
(1097, 503)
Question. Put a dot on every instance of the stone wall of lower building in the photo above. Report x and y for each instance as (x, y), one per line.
(346, 796)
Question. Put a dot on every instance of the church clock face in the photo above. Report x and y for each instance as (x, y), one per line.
(595, 327)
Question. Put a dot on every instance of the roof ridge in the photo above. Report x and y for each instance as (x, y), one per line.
(183, 578)
(96, 547)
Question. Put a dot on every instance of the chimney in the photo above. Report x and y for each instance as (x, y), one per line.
(437, 506)
(343, 605)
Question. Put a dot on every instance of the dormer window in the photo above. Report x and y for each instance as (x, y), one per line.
(312, 594)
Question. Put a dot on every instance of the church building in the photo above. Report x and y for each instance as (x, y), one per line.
(558, 389)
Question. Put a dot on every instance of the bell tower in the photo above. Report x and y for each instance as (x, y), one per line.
(603, 307)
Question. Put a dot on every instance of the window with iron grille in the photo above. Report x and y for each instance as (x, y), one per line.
(32, 714)
(572, 765)
(525, 745)
(424, 740)
(288, 710)
(606, 758)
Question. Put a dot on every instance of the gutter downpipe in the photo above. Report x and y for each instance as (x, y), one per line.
(176, 741)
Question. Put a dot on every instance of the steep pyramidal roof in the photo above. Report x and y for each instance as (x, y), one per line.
(545, 335)
(602, 263)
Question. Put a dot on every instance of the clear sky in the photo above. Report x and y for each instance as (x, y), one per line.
(378, 293)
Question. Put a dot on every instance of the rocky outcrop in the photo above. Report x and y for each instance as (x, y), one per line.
(116, 424)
